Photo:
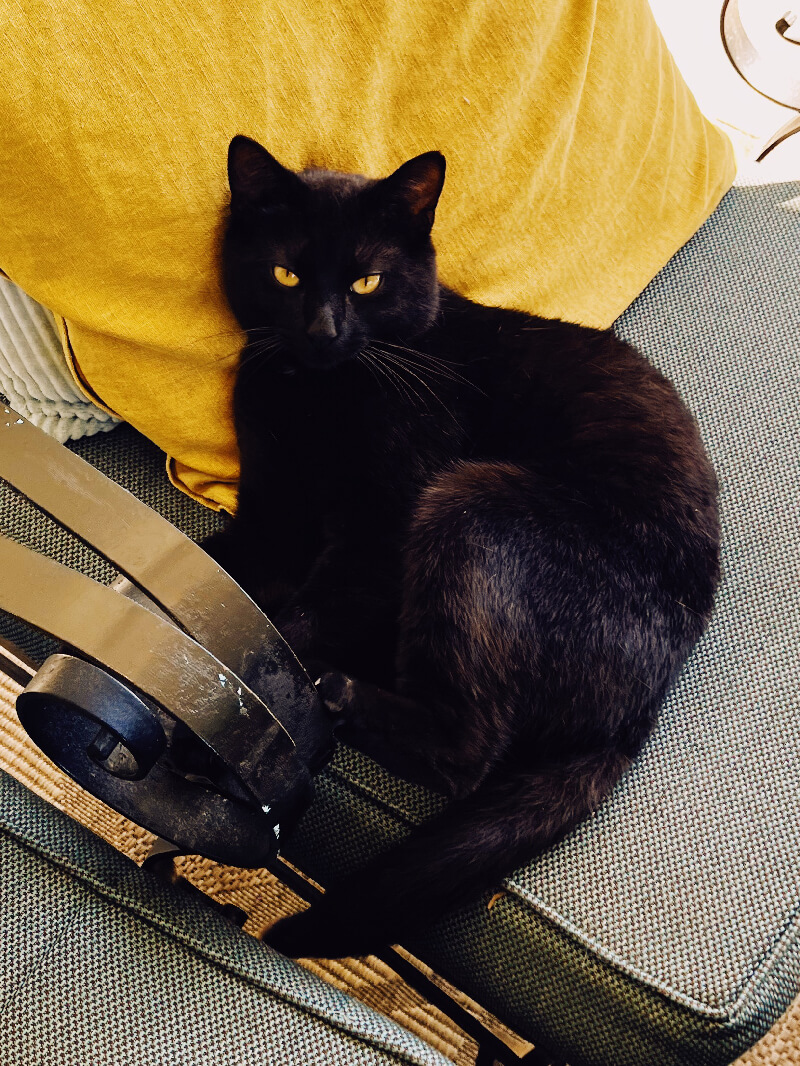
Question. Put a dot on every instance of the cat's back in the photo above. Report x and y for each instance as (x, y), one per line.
(584, 406)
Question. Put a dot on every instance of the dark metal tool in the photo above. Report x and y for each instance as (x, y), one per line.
(762, 40)
(175, 700)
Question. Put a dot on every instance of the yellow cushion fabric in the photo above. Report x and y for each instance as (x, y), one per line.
(577, 164)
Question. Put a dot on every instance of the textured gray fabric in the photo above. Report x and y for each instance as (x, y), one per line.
(102, 964)
(664, 930)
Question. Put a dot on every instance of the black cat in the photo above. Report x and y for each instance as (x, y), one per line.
(503, 527)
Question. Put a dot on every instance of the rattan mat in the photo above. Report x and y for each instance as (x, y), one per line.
(265, 899)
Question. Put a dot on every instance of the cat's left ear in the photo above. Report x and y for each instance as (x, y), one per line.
(257, 178)
(415, 187)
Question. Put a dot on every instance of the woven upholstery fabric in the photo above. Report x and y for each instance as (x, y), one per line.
(101, 963)
(664, 929)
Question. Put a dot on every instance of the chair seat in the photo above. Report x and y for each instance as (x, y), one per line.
(664, 929)
(102, 963)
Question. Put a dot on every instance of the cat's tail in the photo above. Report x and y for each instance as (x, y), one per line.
(451, 859)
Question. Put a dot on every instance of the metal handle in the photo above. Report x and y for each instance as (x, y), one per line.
(764, 57)
(128, 738)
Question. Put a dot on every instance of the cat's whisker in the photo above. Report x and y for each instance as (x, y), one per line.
(416, 351)
(369, 359)
(403, 387)
(201, 356)
(368, 362)
(255, 351)
(403, 364)
(264, 340)
(269, 330)
(401, 347)
(274, 336)
(434, 371)
(202, 359)
(261, 352)
(195, 345)
(406, 365)
(449, 375)
(432, 364)
(383, 373)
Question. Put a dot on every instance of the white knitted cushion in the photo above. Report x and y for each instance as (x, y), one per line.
(33, 373)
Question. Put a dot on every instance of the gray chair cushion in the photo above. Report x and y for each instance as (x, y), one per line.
(664, 929)
(101, 963)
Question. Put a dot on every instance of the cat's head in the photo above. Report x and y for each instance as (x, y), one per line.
(330, 261)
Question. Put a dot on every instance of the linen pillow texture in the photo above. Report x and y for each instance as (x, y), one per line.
(578, 163)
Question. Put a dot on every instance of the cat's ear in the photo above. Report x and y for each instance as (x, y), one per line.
(257, 178)
(415, 187)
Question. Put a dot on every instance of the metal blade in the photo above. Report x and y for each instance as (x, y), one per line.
(167, 565)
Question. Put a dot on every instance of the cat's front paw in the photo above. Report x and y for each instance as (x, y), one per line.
(339, 693)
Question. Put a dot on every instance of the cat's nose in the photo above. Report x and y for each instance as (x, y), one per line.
(322, 327)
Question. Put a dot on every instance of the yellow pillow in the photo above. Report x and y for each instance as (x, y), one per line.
(578, 163)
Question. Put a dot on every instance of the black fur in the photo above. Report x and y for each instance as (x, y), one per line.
(503, 527)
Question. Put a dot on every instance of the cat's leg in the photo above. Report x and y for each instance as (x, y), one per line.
(466, 673)
(344, 616)
(508, 641)
(270, 545)
(407, 728)
(269, 568)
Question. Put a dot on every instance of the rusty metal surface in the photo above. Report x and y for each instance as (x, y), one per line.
(186, 640)
(167, 565)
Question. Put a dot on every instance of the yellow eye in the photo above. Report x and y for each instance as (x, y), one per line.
(285, 277)
(364, 286)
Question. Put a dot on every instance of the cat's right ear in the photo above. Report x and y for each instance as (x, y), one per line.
(256, 178)
(415, 188)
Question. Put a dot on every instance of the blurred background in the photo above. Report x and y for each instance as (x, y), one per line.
(692, 32)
